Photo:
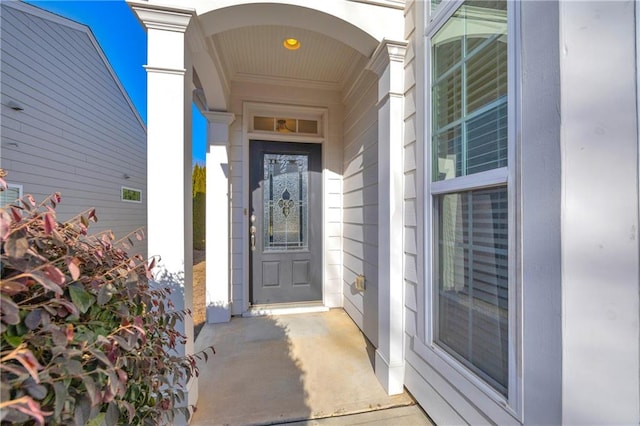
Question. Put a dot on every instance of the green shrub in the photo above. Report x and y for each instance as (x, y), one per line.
(84, 338)
(199, 185)
(199, 221)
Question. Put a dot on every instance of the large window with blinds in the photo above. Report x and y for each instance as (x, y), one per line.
(469, 187)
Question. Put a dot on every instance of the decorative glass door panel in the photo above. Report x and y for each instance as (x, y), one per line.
(285, 199)
(285, 226)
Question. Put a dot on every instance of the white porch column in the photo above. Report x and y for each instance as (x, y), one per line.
(169, 203)
(217, 217)
(388, 63)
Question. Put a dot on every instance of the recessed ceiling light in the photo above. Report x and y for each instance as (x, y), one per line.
(291, 44)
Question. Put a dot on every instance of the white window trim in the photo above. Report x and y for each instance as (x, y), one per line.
(479, 392)
(122, 188)
(436, 19)
(486, 179)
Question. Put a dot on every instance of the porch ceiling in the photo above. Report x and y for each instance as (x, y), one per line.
(256, 53)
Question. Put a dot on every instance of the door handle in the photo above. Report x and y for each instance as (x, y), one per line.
(252, 232)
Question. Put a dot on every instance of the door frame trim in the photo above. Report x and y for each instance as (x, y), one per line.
(249, 110)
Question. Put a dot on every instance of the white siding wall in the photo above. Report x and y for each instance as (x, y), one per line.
(239, 276)
(332, 184)
(360, 205)
(600, 291)
(412, 121)
(446, 394)
(577, 286)
(77, 133)
(419, 374)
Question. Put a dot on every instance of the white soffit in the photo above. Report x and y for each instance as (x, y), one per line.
(255, 53)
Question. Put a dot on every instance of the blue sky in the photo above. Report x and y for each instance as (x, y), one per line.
(124, 42)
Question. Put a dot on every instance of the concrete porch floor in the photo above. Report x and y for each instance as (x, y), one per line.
(298, 369)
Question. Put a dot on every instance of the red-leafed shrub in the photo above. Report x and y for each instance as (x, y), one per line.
(84, 337)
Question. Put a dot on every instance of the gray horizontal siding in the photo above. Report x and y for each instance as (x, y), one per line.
(360, 207)
(238, 230)
(418, 373)
(77, 133)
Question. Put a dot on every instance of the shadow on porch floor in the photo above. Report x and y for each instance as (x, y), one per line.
(305, 369)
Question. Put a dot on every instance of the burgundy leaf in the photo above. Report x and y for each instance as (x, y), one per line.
(5, 224)
(10, 311)
(61, 396)
(104, 294)
(49, 223)
(32, 321)
(39, 392)
(45, 282)
(74, 268)
(26, 205)
(101, 356)
(73, 367)
(106, 241)
(27, 359)
(92, 390)
(11, 287)
(67, 305)
(114, 383)
(122, 376)
(138, 321)
(131, 411)
(108, 395)
(54, 274)
(58, 337)
(16, 213)
(16, 246)
(28, 406)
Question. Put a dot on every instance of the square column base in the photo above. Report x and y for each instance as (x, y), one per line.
(218, 312)
(391, 377)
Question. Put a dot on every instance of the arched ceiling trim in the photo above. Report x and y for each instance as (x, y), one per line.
(359, 25)
(362, 26)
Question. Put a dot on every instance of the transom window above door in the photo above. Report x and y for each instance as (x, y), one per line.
(285, 125)
(288, 123)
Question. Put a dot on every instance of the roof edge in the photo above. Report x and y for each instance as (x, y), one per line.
(54, 17)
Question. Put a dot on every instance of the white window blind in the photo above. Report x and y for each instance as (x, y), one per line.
(473, 280)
